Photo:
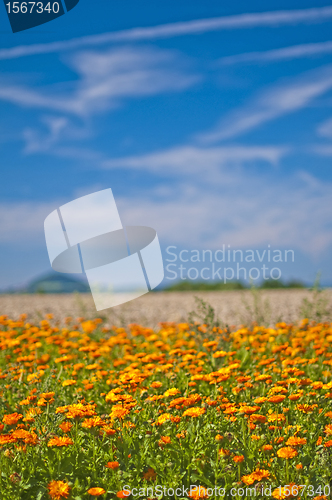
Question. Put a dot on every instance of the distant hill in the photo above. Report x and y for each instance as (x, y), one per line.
(188, 285)
(55, 283)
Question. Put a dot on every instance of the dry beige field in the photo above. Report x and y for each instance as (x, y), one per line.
(232, 307)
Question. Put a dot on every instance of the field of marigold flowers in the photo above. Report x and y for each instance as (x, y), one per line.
(87, 409)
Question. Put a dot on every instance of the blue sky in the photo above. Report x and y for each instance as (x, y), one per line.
(212, 123)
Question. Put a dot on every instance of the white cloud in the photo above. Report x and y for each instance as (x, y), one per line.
(195, 27)
(285, 53)
(218, 198)
(253, 212)
(275, 102)
(105, 79)
(325, 129)
(37, 142)
(242, 207)
(24, 222)
(204, 163)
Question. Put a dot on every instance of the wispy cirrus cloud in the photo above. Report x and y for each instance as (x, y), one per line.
(106, 79)
(191, 159)
(284, 53)
(194, 27)
(274, 102)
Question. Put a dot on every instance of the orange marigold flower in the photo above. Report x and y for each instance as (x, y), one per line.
(164, 440)
(198, 493)
(119, 412)
(12, 418)
(80, 410)
(260, 474)
(276, 399)
(319, 441)
(260, 400)
(328, 444)
(123, 494)
(47, 395)
(224, 452)
(219, 437)
(299, 466)
(176, 420)
(276, 417)
(60, 441)
(65, 426)
(328, 429)
(295, 441)
(6, 439)
(194, 412)
(238, 458)
(68, 382)
(58, 490)
(257, 475)
(248, 410)
(156, 385)
(150, 475)
(292, 490)
(96, 492)
(257, 418)
(267, 447)
(287, 452)
(88, 326)
(112, 465)
(294, 397)
(306, 408)
(88, 423)
(109, 430)
(26, 436)
(248, 480)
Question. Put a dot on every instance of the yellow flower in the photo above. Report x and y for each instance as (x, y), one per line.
(171, 392)
(163, 418)
(194, 412)
(68, 382)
